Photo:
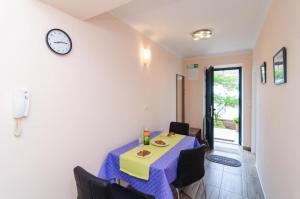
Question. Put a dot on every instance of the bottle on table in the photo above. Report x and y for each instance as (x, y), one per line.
(146, 137)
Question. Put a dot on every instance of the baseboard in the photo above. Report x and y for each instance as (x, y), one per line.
(247, 148)
(263, 190)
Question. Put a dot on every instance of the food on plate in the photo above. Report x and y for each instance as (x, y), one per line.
(160, 142)
(143, 153)
(170, 134)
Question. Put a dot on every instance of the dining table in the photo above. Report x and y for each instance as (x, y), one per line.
(162, 172)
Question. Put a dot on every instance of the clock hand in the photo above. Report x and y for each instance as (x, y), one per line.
(60, 42)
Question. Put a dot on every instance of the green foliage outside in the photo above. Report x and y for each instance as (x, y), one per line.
(229, 82)
(221, 101)
(236, 120)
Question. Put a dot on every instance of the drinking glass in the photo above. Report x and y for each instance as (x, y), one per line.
(162, 132)
(141, 141)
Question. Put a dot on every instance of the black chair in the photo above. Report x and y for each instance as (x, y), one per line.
(190, 168)
(179, 128)
(199, 136)
(91, 187)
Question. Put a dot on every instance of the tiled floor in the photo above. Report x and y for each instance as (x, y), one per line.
(224, 182)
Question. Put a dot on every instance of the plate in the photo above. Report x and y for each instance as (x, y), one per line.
(147, 156)
(162, 145)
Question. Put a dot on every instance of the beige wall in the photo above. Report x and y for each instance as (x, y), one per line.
(82, 105)
(278, 109)
(195, 89)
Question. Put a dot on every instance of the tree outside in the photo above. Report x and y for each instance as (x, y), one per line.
(226, 98)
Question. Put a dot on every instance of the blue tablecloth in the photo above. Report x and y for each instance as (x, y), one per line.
(162, 172)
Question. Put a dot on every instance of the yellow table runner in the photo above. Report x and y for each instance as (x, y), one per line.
(140, 167)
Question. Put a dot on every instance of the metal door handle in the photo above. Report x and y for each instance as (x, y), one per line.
(211, 111)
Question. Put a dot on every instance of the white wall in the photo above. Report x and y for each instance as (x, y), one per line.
(278, 109)
(83, 104)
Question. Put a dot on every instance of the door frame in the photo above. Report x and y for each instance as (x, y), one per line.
(183, 93)
(239, 68)
(209, 106)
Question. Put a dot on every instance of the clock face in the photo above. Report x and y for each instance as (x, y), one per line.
(59, 41)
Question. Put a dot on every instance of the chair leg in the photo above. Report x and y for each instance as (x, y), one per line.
(178, 193)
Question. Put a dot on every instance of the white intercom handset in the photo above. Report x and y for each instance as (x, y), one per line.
(20, 108)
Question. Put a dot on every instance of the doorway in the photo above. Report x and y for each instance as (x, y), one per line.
(223, 107)
(179, 98)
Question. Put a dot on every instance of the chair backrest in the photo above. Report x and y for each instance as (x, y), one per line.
(89, 186)
(179, 128)
(190, 166)
(199, 136)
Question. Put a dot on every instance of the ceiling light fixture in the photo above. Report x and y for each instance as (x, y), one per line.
(202, 34)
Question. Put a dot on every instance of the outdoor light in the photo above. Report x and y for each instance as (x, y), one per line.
(202, 34)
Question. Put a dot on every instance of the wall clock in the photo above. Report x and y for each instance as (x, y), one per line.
(59, 41)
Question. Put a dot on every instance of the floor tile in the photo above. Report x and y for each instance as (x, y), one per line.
(213, 165)
(212, 192)
(229, 195)
(254, 189)
(245, 189)
(232, 182)
(251, 171)
(213, 177)
(224, 182)
(233, 170)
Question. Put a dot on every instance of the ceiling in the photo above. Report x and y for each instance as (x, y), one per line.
(85, 9)
(236, 23)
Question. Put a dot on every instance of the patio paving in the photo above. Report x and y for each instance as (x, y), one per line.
(226, 136)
